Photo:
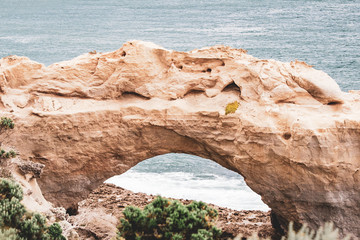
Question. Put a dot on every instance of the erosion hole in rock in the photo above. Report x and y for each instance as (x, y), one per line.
(232, 87)
(72, 210)
(193, 92)
(284, 101)
(133, 94)
(208, 70)
(333, 103)
(287, 136)
(191, 177)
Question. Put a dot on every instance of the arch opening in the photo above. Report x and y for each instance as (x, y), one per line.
(184, 176)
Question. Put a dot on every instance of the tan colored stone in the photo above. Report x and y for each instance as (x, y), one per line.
(98, 115)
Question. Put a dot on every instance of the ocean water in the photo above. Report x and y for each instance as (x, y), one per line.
(190, 177)
(324, 33)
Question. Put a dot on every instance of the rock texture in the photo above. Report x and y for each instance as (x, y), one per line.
(26, 175)
(295, 136)
(99, 213)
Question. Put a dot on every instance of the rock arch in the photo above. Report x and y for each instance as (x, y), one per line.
(295, 136)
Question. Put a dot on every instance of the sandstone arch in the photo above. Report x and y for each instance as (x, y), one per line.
(295, 136)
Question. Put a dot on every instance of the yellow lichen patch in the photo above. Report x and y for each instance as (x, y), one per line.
(231, 107)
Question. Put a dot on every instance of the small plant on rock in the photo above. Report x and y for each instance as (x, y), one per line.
(231, 107)
(7, 155)
(170, 220)
(6, 123)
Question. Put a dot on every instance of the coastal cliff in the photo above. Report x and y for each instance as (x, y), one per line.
(295, 136)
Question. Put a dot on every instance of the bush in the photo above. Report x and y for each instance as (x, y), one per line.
(166, 219)
(10, 190)
(17, 223)
(231, 107)
(56, 232)
(8, 234)
(6, 123)
(6, 155)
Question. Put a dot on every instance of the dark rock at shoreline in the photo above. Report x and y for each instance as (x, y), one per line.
(99, 213)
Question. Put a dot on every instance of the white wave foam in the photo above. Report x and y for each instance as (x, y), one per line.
(232, 193)
(21, 39)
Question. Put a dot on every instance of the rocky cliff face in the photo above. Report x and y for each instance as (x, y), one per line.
(295, 136)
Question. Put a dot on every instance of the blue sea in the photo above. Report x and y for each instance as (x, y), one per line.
(325, 34)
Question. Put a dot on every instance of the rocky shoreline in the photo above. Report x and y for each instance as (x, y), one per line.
(98, 215)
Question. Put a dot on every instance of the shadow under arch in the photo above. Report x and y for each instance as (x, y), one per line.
(186, 176)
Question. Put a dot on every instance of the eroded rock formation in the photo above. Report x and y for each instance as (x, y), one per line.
(295, 136)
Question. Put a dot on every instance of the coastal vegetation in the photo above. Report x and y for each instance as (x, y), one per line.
(166, 219)
(6, 124)
(169, 220)
(5, 154)
(16, 223)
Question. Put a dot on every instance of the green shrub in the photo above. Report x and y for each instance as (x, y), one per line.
(7, 155)
(55, 232)
(12, 153)
(10, 190)
(167, 219)
(231, 107)
(17, 223)
(8, 234)
(6, 123)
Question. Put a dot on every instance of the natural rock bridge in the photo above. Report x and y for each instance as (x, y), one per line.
(295, 136)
